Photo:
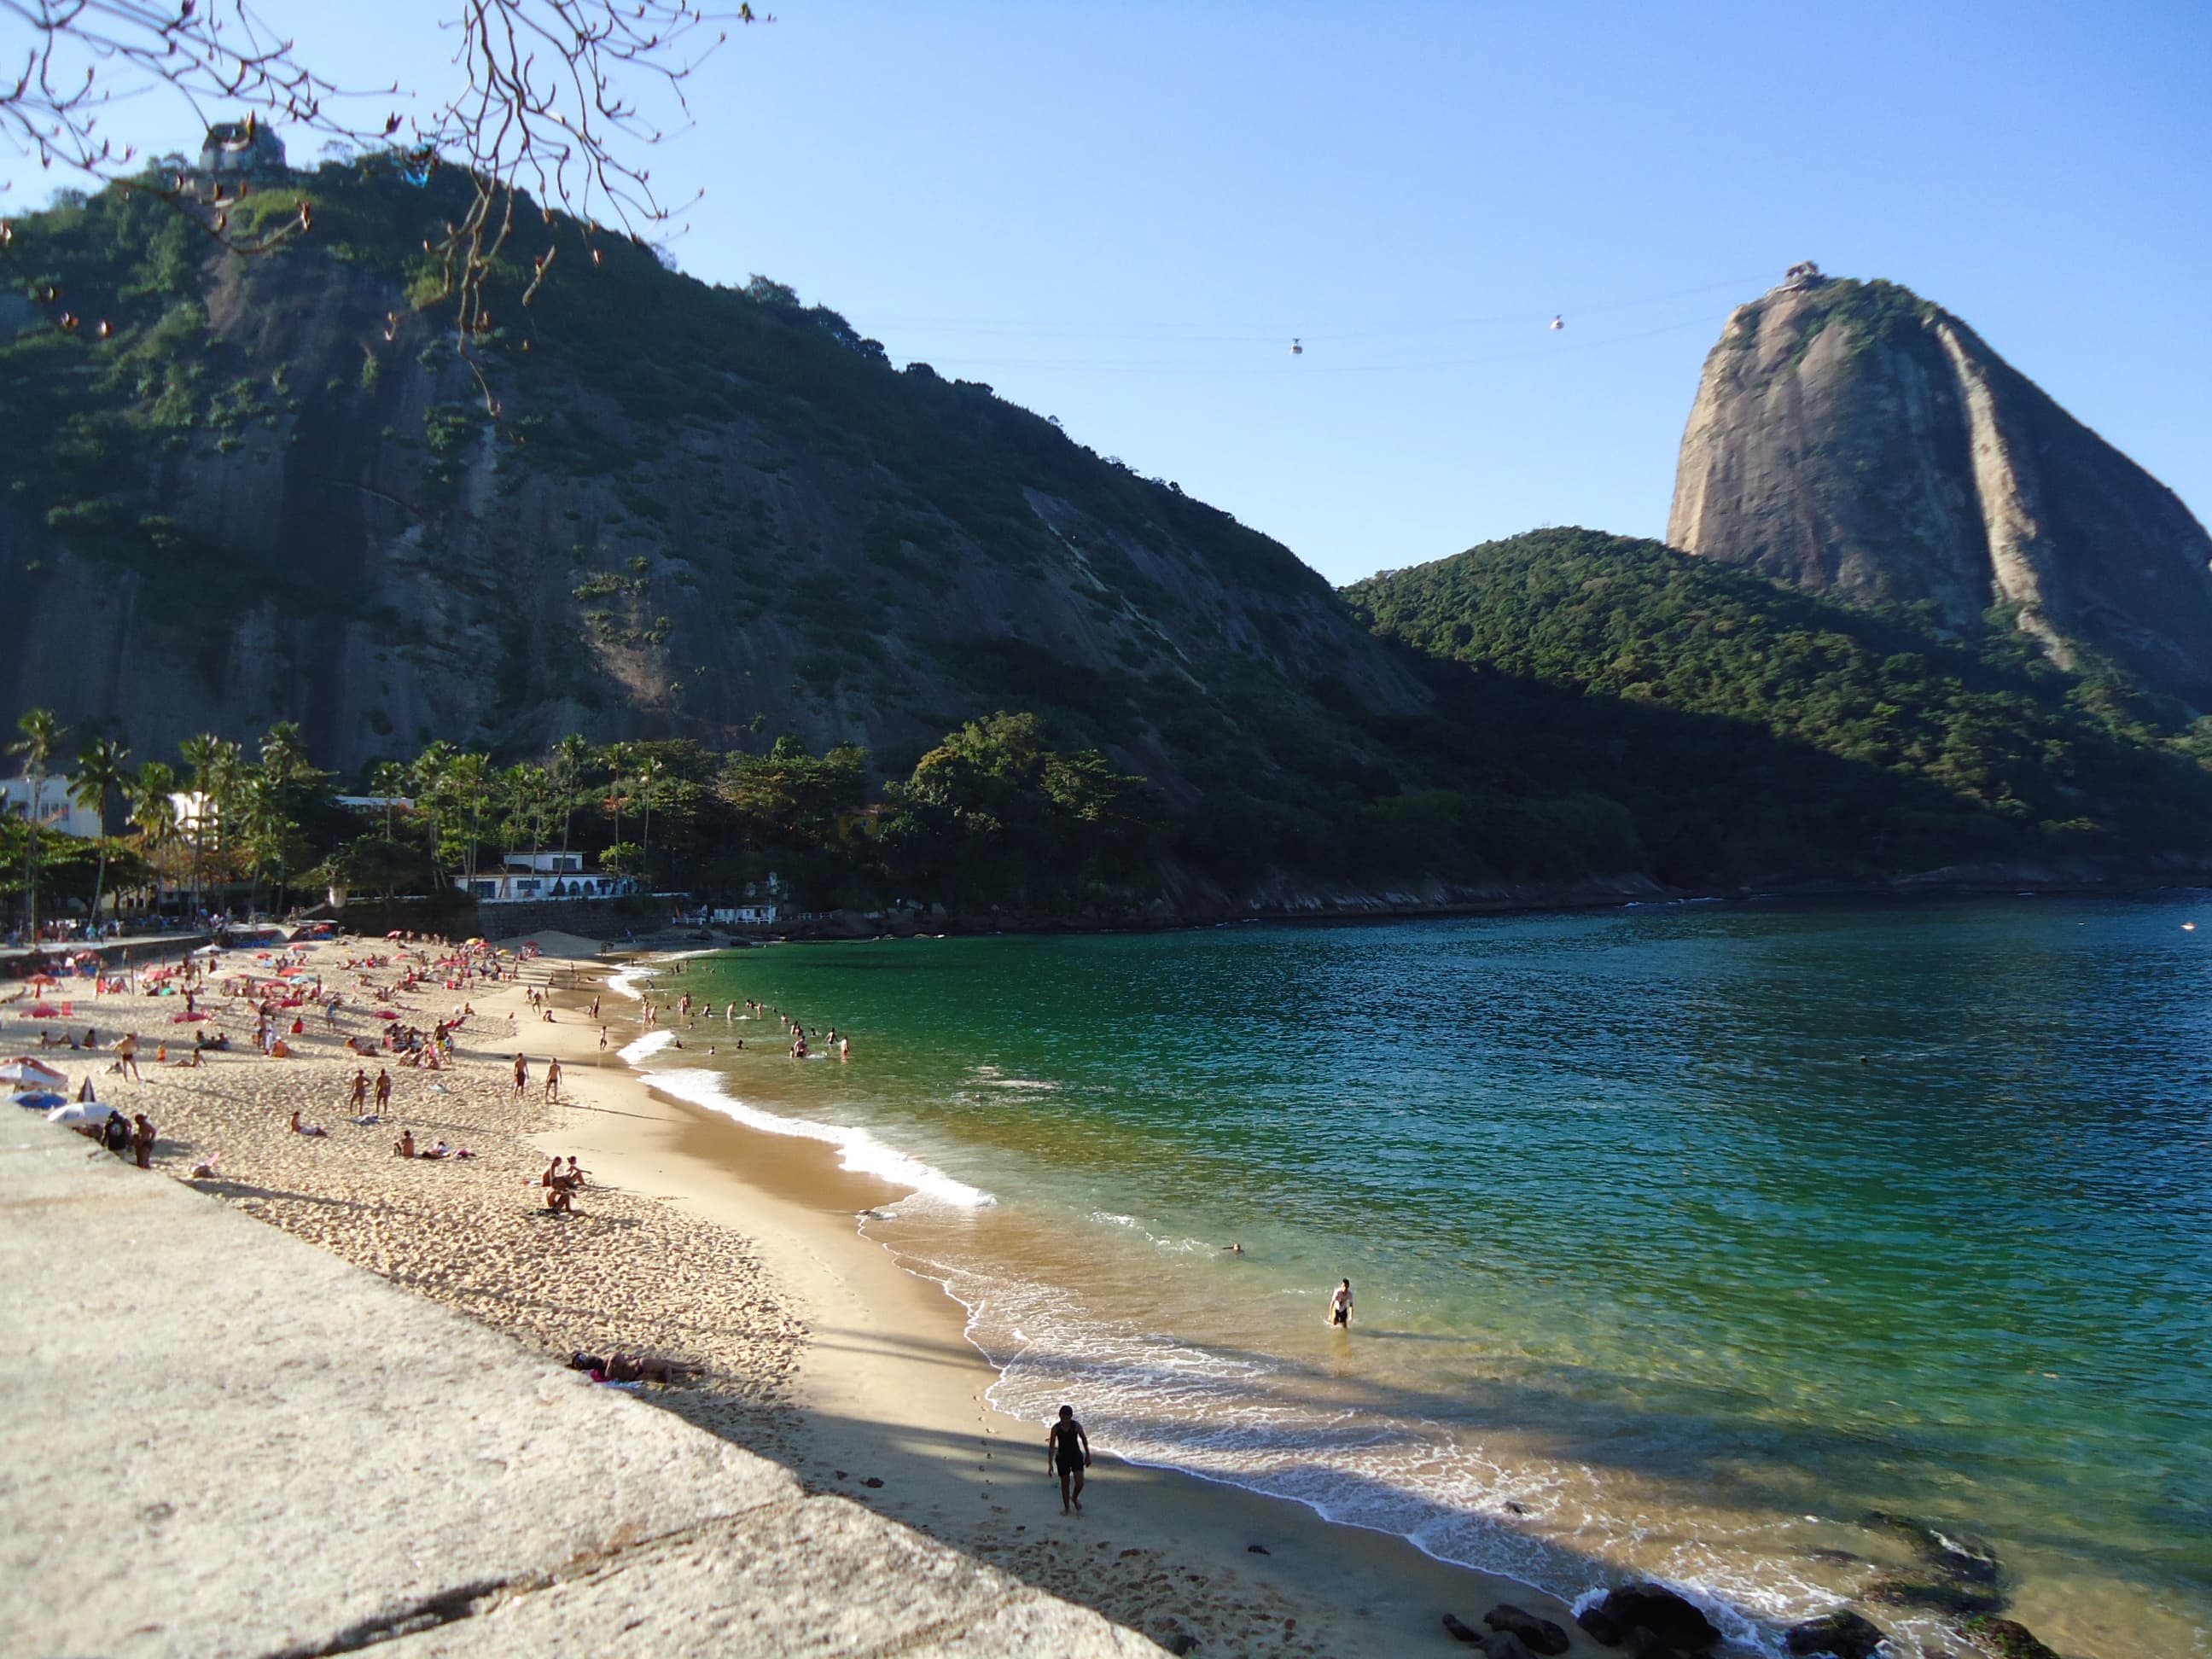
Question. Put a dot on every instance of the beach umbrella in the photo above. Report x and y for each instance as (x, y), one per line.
(73, 1111)
(396, 934)
(32, 1063)
(42, 1010)
(19, 1074)
(42, 978)
(44, 1100)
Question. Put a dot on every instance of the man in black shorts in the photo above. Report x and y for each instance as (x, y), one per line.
(1068, 1452)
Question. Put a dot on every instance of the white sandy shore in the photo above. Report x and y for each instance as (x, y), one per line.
(738, 1251)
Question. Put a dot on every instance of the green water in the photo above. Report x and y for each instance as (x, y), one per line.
(1682, 1237)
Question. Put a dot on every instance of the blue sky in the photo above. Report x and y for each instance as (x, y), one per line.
(1121, 215)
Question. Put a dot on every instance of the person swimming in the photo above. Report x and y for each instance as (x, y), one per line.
(1339, 1305)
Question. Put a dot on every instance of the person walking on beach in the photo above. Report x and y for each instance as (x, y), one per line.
(126, 1055)
(360, 1090)
(1339, 1305)
(1068, 1454)
(552, 1079)
(383, 1089)
(521, 1073)
(141, 1140)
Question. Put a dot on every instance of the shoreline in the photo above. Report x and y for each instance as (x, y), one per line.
(1163, 1550)
(1952, 885)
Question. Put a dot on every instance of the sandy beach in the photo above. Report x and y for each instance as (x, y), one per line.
(737, 1252)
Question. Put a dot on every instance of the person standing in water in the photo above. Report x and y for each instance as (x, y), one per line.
(1067, 1453)
(1339, 1305)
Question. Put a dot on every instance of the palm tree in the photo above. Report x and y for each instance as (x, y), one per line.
(100, 772)
(283, 764)
(226, 782)
(568, 757)
(42, 735)
(199, 753)
(432, 775)
(649, 773)
(389, 778)
(616, 758)
(153, 809)
(467, 776)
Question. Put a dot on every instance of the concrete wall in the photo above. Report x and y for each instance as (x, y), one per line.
(217, 1440)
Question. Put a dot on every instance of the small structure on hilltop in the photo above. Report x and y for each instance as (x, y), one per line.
(1801, 276)
(241, 149)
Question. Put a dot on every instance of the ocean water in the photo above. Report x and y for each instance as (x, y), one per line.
(1684, 1238)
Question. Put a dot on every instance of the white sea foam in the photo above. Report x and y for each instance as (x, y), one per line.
(638, 1050)
(858, 1150)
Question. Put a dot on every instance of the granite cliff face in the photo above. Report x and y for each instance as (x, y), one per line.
(275, 492)
(1854, 439)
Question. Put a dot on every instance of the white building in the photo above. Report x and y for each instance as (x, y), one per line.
(532, 877)
(57, 811)
(746, 915)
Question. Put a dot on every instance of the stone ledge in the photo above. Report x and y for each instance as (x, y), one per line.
(218, 1438)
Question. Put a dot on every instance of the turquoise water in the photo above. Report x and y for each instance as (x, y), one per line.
(1682, 1236)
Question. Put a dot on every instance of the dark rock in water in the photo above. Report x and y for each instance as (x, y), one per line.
(1645, 1645)
(1541, 1635)
(1842, 1634)
(2007, 1639)
(1602, 1627)
(1461, 1630)
(1257, 1549)
(1179, 1642)
(1504, 1644)
(1836, 1558)
(1958, 1556)
(1932, 1595)
(1675, 1619)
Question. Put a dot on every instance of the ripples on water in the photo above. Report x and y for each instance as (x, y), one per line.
(1682, 1236)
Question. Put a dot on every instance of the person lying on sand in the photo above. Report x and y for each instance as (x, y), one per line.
(300, 1128)
(629, 1368)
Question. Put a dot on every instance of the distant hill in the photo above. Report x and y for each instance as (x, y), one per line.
(701, 512)
(1853, 439)
(1747, 725)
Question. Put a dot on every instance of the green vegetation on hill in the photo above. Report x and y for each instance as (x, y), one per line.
(1755, 727)
(703, 516)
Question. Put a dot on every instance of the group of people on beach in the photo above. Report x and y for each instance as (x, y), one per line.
(561, 1185)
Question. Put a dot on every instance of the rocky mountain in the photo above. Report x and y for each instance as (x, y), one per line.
(250, 489)
(1851, 439)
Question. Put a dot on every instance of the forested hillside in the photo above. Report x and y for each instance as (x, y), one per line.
(1749, 721)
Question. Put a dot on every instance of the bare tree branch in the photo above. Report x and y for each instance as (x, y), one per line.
(551, 103)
